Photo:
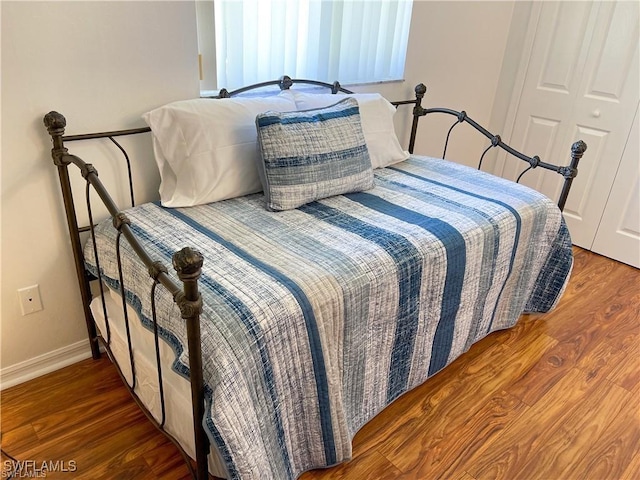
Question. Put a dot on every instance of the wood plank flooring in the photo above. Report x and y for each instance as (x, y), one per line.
(556, 397)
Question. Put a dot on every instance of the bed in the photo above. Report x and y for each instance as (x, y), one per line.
(306, 297)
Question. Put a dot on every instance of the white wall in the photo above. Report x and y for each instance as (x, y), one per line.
(101, 64)
(456, 49)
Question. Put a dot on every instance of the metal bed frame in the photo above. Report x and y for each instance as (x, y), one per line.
(188, 262)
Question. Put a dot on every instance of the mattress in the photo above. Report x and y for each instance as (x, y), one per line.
(317, 318)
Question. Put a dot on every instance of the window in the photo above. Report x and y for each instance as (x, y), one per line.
(353, 41)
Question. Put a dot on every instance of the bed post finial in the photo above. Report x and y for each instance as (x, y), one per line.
(578, 149)
(285, 82)
(188, 264)
(420, 90)
(55, 123)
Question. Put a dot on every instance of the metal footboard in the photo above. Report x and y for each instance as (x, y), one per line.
(186, 262)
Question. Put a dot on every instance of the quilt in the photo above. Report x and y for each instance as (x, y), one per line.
(317, 318)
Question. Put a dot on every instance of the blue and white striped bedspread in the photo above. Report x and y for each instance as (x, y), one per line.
(317, 318)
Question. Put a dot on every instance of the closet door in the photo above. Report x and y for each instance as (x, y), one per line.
(618, 235)
(581, 82)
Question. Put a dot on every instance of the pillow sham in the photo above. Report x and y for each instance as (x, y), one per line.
(312, 154)
(376, 114)
(207, 149)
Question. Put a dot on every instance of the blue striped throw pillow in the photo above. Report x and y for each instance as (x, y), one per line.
(312, 154)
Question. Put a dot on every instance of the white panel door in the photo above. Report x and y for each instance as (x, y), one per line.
(581, 83)
(618, 235)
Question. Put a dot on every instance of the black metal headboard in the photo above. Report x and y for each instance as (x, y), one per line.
(284, 83)
(569, 172)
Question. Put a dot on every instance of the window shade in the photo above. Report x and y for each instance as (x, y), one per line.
(350, 41)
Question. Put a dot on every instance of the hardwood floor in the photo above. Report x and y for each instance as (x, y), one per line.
(556, 397)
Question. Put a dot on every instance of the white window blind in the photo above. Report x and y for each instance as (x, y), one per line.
(346, 40)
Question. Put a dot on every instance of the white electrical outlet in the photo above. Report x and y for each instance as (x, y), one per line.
(30, 301)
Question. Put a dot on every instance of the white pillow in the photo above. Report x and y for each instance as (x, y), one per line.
(376, 114)
(207, 149)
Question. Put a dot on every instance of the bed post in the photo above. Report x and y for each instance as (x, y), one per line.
(55, 123)
(570, 172)
(188, 264)
(418, 112)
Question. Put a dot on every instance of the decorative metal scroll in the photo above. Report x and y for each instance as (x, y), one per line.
(568, 172)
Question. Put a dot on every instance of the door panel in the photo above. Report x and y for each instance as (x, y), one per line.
(618, 235)
(613, 55)
(561, 55)
(540, 136)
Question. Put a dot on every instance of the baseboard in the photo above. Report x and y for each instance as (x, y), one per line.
(43, 364)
